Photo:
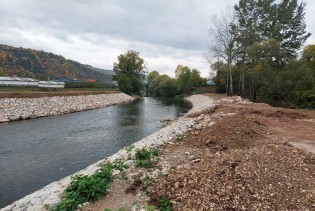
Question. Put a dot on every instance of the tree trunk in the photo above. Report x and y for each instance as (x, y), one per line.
(227, 82)
(231, 83)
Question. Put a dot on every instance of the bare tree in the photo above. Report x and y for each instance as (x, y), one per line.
(223, 42)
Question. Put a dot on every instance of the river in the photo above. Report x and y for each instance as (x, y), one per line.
(34, 153)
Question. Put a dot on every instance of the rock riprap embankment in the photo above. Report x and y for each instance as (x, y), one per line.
(27, 108)
(50, 194)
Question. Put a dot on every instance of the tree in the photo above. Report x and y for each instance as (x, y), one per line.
(3, 72)
(220, 77)
(152, 76)
(309, 54)
(263, 23)
(167, 87)
(125, 83)
(184, 83)
(181, 69)
(161, 85)
(132, 66)
(223, 43)
(196, 79)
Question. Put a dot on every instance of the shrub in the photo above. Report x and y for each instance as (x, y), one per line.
(85, 188)
(144, 157)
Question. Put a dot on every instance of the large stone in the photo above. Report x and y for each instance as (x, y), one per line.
(3, 119)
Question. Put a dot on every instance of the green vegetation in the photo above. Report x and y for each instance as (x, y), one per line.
(150, 208)
(165, 205)
(130, 72)
(258, 57)
(120, 209)
(145, 157)
(42, 65)
(129, 148)
(186, 82)
(85, 188)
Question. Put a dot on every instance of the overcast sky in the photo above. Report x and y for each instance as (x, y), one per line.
(165, 32)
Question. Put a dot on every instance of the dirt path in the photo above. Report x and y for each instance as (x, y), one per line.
(255, 157)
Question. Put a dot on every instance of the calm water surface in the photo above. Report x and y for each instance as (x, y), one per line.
(34, 153)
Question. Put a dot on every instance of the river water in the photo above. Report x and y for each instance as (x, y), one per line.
(34, 153)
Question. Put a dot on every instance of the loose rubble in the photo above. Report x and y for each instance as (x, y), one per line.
(12, 109)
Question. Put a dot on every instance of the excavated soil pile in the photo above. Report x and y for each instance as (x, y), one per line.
(239, 168)
(232, 132)
(270, 177)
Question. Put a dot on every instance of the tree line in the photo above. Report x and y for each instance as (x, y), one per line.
(132, 78)
(256, 46)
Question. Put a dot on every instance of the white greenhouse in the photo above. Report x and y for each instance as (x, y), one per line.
(29, 82)
(17, 81)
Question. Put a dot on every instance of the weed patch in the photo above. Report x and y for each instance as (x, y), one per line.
(85, 188)
(145, 157)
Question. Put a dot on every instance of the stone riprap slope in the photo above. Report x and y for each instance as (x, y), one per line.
(50, 194)
(200, 103)
(27, 108)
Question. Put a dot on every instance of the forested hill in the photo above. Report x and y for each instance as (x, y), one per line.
(40, 64)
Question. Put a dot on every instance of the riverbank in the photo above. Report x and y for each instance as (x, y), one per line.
(12, 109)
(50, 194)
(226, 153)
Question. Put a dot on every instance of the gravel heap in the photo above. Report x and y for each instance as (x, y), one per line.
(272, 177)
(234, 99)
(200, 103)
(27, 108)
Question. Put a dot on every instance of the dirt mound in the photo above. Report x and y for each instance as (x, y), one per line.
(232, 132)
(270, 177)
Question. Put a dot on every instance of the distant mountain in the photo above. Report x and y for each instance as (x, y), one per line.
(40, 64)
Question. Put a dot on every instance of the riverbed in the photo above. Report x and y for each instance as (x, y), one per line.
(35, 152)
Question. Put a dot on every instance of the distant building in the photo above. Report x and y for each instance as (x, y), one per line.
(17, 81)
(29, 82)
(51, 84)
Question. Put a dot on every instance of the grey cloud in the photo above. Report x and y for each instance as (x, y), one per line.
(176, 23)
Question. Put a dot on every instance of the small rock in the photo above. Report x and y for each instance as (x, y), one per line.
(176, 185)
(191, 157)
(128, 163)
(196, 161)
(187, 153)
(115, 172)
(2, 119)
